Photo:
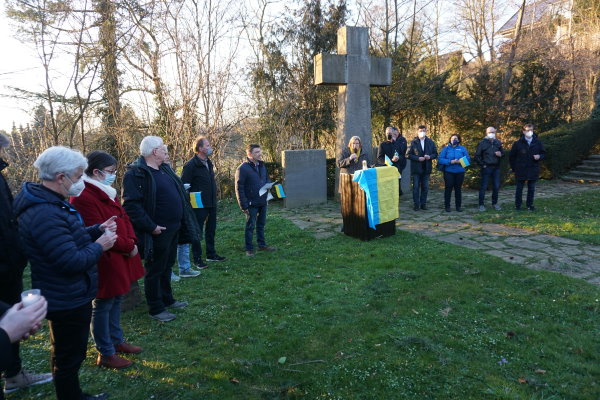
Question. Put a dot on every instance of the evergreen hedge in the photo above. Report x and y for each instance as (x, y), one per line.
(567, 145)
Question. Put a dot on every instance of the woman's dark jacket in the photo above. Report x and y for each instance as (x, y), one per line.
(415, 151)
(201, 179)
(485, 153)
(12, 258)
(62, 251)
(388, 148)
(348, 166)
(249, 178)
(139, 201)
(5, 345)
(521, 158)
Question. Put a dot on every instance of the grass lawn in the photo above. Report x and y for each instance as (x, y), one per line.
(575, 216)
(404, 317)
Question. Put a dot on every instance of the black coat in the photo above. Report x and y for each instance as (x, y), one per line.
(388, 148)
(201, 179)
(139, 201)
(62, 251)
(521, 158)
(12, 258)
(5, 345)
(485, 153)
(415, 151)
(248, 181)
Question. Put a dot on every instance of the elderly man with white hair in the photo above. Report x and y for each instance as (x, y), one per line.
(63, 254)
(162, 217)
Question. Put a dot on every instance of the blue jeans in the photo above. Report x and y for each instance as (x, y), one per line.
(106, 324)
(519, 193)
(486, 174)
(183, 257)
(420, 189)
(257, 216)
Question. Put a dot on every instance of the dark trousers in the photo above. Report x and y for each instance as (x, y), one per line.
(208, 217)
(453, 181)
(69, 331)
(157, 282)
(487, 174)
(11, 286)
(530, 193)
(420, 189)
(257, 216)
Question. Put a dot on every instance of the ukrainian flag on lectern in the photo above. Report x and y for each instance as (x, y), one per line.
(381, 188)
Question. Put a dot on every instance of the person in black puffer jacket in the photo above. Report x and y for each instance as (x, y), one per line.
(63, 254)
(488, 154)
(525, 156)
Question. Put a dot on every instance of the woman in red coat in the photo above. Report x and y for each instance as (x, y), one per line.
(117, 268)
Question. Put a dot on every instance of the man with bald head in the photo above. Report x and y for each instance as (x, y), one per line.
(488, 154)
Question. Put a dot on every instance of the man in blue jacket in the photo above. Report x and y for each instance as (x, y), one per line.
(250, 176)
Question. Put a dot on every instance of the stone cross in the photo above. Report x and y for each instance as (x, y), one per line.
(354, 72)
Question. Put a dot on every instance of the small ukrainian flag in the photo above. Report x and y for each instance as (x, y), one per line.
(388, 162)
(279, 191)
(464, 161)
(196, 200)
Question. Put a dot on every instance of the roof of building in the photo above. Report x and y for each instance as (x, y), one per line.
(534, 12)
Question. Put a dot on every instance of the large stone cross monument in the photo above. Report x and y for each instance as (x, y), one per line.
(354, 72)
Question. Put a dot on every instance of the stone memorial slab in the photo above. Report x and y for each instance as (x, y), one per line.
(304, 177)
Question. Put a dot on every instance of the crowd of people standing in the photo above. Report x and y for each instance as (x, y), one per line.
(86, 248)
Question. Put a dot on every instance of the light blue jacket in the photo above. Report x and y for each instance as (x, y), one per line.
(449, 153)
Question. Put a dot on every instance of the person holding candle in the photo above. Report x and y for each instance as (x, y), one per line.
(118, 268)
(12, 264)
(63, 254)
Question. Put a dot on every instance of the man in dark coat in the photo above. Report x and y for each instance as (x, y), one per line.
(421, 151)
(160, 211)
(12, 264)
(199, 173)
(488, 154)
(395, 149)
(525, 156)
(250, 176)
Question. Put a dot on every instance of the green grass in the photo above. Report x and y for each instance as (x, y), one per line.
(575, 216)
(403, 317)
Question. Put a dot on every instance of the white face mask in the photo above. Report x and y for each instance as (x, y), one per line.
(528, 134)
(76, 188)
(491, 135)
(421, 134)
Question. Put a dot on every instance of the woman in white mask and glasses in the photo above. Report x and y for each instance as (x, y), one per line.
(118, 268)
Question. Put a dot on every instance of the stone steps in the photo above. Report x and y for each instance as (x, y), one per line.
(588, 171)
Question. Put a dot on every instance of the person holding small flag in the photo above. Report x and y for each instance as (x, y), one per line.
(454, 158)
(199, 173)
(395, 149)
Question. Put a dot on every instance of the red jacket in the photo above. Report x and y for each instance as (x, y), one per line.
(116, 271)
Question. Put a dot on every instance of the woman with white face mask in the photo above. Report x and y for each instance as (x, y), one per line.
(63, 254)
(118, 268)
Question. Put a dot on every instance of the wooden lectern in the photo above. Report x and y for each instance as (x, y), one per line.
(354, 212)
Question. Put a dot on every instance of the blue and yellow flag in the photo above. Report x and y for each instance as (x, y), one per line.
(388, 162)
(464, 161)
(196, 200)
(279, 191)
(381, 187)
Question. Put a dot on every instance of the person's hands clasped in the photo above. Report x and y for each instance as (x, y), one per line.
(536, 157)
(353, 157)
(20, 322)
(107, 240)
(109, 225)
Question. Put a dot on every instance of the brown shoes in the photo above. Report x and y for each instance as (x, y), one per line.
(267, 248)
(113, 361)
(127, 348)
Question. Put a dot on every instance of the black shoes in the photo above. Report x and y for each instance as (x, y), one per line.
(448, 209)
(416, 208)
(215, 258)
(423, 207)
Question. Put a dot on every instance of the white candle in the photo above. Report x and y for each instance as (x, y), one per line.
(29, 297)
